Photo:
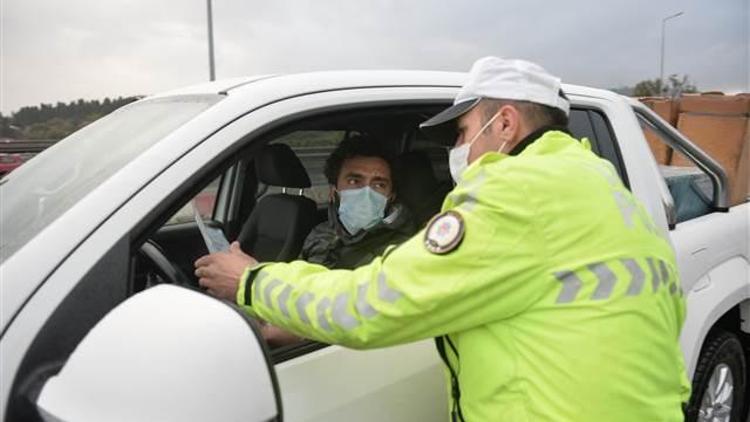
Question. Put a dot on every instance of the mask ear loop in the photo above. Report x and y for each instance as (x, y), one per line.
(481, 130)
(500, 151)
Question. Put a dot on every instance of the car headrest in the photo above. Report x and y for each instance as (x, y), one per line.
(416, 176)
(278, 165)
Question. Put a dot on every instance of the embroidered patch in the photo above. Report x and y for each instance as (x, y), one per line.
(444, 233)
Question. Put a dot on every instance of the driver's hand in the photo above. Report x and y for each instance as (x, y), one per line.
(220, 272)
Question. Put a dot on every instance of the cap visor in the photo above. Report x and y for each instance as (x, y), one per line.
(442, 126)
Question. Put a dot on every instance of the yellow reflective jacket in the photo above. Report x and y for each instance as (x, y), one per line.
(560, 303)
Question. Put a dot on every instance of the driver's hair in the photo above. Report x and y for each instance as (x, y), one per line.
(357, 146)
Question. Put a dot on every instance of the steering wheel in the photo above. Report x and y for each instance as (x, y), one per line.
(163, 266)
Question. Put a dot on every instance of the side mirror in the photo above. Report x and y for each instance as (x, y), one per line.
(166, 354)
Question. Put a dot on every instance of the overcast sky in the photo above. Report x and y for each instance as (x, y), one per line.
(64, 50)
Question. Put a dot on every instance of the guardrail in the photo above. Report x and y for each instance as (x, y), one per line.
(13, 146)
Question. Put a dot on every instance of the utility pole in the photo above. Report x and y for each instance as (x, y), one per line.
(211, 69)
(661, 57)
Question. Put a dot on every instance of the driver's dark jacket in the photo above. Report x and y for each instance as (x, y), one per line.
(329, 244)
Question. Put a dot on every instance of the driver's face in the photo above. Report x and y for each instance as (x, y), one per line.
(358, 172)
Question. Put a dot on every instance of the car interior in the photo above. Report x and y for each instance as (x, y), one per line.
(272, 196)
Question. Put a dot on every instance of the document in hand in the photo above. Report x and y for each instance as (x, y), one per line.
(213, 236)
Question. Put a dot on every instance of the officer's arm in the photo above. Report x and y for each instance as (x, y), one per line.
(412, 293)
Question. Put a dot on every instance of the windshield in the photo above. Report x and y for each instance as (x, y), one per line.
(46, 186)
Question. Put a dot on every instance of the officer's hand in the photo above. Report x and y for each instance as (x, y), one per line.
(220, 272)
(276, 337)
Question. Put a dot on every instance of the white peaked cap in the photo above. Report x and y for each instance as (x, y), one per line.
(503, 79)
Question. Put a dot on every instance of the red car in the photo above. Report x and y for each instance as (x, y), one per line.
(8, 162)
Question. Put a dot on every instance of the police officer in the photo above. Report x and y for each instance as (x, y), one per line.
(550, 292)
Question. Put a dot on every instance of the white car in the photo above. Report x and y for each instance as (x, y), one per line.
(101, 318)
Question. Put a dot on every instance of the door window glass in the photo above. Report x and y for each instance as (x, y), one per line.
(691, 188)
(204, 203)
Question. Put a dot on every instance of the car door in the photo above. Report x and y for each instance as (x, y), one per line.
(330, 383)
(402, 383)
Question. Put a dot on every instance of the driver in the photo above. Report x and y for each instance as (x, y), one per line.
(364, 216)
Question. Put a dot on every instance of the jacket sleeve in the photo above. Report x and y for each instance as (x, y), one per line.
(410, 293)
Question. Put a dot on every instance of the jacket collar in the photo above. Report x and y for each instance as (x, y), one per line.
(533, 136)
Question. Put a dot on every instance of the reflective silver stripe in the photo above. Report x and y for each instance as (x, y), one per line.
(606, 279)
(571, 284)
(385, 293)
(302, 302)
(606, 172)
(664, 272)
(282, 299)
(268, 289)
(475, 183)
(626, 206)
(468, 199)
(363, 307)
(323, 305)
(650, 225)
(342, 318)
(654, 275)
(261, 275)
(636, 277)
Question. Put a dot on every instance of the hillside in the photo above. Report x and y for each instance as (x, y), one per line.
(54, 122)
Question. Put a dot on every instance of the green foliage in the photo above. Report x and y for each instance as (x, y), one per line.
(6, 128)
(648, 88)
(313, 138)
(56, 122)
(674, 87)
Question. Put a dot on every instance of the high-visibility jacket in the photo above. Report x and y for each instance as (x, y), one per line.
(561, 302)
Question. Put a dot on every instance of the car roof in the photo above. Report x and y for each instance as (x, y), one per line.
(285, 85)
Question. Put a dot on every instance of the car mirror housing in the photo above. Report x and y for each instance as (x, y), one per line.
(167, 354)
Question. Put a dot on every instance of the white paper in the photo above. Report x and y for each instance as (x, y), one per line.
(214, 237)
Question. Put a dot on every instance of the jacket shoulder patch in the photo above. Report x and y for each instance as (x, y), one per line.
(444, 232)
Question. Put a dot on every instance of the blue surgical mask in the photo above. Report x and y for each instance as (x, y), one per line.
(360, 209)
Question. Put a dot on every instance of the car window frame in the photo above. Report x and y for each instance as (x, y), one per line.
(703, 162)
(692, 152)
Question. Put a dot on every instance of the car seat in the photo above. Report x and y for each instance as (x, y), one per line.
(418, 188)
(278, 225)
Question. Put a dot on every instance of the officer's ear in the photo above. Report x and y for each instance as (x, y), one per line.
(508, 124)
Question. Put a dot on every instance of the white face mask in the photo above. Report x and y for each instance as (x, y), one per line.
(458, 157)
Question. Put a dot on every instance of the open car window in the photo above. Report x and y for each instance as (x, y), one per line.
(241, 193)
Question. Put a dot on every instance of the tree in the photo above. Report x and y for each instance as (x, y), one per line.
(674, 87)
(6, 128)
(48, 121)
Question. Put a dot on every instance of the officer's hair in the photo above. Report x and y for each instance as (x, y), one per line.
(536, 115)
(357, 146)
